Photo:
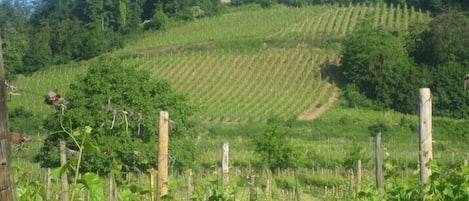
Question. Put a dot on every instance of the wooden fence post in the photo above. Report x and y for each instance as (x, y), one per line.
(163, 154)
(268, 187)
(152, 184)
(190, 188)
(112, 187)
(225, 160)
(7, 183)
(359, 176)
(379, 162)
(48, 184)
(63, 161)
(425, 120)
(351, 187)
(252, 189)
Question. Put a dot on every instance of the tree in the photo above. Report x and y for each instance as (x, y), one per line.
(377, 63)
(14, 31)
(121, 104)
(448, 38)
(441, 47)
(274, 149)
(39, 53)
(450, 98)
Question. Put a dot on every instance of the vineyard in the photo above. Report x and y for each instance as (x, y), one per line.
(239, 68)
(248, 67)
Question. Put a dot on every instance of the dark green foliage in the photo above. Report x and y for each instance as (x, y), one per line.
(376, 62)
(355, 98)
(159, 21)
(448, 38)
(441, 49)
(23, 121)
(450, 98)
(274, 149)
(122, 106)
(378, 127)
(39, 53)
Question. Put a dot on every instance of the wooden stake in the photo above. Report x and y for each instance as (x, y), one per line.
(190, 188)
(351, 189)
(112, 187)
(63, 161)
(225, 160)
(48, 184)
(379, 162)
(425, 120)
(359, 176)
(252, 189)
(268, 187)
(163, 154)
(152, 184)
(7, 183)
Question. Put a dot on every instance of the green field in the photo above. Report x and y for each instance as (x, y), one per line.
(250, 67)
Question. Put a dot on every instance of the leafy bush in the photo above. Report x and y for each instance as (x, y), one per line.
(378, 127)
(122, 105)
(355, 98)
(159, 21)
(275, 150)
(376, 62)
(445, 183)
(23, 121)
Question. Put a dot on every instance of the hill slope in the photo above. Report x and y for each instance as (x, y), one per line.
(249, 65)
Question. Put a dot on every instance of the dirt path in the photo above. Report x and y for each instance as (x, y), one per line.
(313, 111)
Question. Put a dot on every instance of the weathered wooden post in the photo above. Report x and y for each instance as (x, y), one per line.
(225, 162)
(7, 183)
(252, 189)
(163, 154)
(48, 184)
(379, 162)
(190, 188)
(425, 120)
(112, 187)
(351, 183)
(359, 175)
(152, 184)
(63, 161)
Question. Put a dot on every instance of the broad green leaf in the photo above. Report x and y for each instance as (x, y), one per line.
(89, 147)
(93, 184)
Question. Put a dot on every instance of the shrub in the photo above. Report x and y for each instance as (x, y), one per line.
(275, 150)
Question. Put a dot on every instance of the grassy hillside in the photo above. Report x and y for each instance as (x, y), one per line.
(251, 64)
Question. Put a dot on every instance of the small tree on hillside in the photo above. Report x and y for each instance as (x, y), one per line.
(274, 150)
(376, 62)
(121, 104)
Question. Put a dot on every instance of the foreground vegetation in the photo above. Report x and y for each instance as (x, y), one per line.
(251, 90)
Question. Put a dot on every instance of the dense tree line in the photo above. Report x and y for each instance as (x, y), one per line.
(46, 32)
(388, 68)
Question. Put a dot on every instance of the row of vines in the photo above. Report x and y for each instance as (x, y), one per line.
(231, 85)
